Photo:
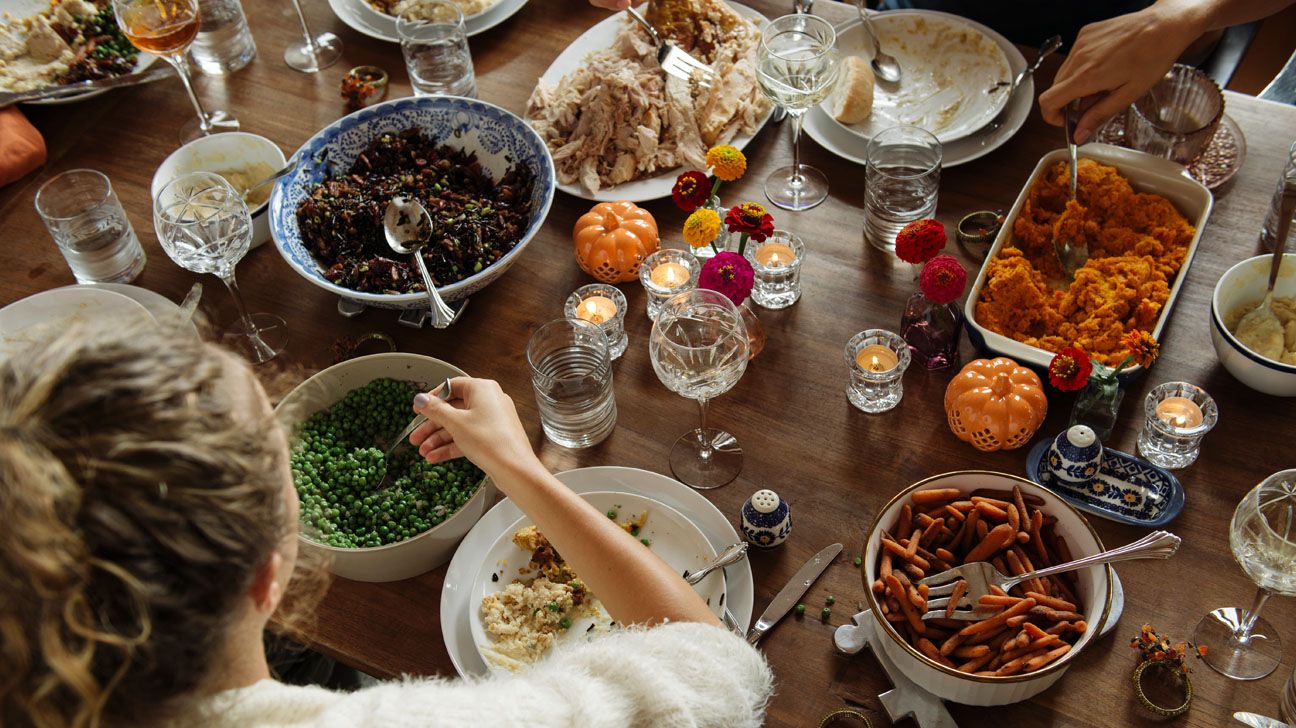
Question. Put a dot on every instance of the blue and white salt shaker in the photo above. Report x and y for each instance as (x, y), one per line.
(1075, 456)
(766, 519)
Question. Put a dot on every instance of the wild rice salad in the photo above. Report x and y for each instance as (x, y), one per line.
(476, 220)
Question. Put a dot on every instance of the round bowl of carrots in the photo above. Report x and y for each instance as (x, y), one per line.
(965, 639)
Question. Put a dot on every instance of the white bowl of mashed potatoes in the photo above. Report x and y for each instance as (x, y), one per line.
(1261, 357)
(242, 159)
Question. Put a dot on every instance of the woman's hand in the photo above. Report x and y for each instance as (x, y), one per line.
(479, 422)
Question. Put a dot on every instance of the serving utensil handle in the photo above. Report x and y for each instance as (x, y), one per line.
(647, 25)
(1286, 209)
(1155, 545)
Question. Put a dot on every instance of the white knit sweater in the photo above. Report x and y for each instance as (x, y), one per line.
(676, 675)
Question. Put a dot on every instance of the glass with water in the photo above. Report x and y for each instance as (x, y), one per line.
(571, 373)
(224, 44)
(900, 182)
(435, 46)
(86, 220)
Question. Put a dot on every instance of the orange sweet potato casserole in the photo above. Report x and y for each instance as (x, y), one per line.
(1137, 244)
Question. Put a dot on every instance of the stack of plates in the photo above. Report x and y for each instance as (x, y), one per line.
(684, 542)
(45, 315)
(948, 64)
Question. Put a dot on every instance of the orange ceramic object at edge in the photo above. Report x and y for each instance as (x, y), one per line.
(994, 404)
(612, 240)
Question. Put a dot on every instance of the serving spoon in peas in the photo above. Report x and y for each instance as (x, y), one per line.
(442, 393)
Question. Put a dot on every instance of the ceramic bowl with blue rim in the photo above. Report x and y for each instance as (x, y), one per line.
(1126, 489)
(1244, 284)
(499, 138)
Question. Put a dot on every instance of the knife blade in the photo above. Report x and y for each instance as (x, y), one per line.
(793, 591)
(153, 73)
(1258, 721)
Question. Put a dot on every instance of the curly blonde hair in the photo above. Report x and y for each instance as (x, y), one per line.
(143, 489)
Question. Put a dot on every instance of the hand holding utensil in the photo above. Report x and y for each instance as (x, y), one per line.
(443, 393)
(408, 227)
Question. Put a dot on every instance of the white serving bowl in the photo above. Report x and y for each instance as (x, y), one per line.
(1242, 284)
(222, 152)
(420, 553)
(950, 684)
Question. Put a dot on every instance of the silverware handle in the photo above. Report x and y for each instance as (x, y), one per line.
(755, 634)
(868, 26)
(1286, 209)
(1155, 545)
(1046, 50)
(731, 555)
(647, 25)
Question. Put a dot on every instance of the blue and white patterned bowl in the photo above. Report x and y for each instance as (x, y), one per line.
(499, 138)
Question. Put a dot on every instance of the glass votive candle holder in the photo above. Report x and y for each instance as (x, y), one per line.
(777, 267)
(605, 307)
(1177, 415)
(666, 273)
(877, 360)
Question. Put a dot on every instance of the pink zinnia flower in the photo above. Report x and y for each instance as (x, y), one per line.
(942, 279)
(730, 274)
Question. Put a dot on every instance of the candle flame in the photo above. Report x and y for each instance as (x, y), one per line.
(592, 312)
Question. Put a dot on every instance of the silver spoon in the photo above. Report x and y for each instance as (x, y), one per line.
(731, 555)
(1071, 254)
(408, 227)
(1050, 45)
(292, 164)
(1261, 319)
(443, 394)
(885, 66)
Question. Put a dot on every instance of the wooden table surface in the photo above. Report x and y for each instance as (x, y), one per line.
(834, 464)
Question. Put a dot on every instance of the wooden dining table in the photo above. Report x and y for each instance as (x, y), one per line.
(835, 465)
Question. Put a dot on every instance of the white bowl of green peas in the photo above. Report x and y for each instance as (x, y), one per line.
(373, 527)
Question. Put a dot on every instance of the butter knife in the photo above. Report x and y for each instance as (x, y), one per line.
(153, 73)
(795, 589)
(1258, 721)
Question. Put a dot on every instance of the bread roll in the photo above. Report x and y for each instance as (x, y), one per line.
(852, 98)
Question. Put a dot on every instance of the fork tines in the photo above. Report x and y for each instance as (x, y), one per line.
(681, 64)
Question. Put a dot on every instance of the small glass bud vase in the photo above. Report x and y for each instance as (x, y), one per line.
(932, 331)
(1097, 405)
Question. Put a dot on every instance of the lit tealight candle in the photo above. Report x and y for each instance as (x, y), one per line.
(775, 255)
(670, 275)
(1179, 412)
(876, 358)
(596, 309)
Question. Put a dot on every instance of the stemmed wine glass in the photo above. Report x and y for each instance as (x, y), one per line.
(313, 52)
(699, 350)
(166, 28)
(1262, 535)
(204, 226)
(796, 68)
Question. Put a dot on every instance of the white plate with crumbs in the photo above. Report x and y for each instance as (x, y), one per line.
(545, 605)
(45, 315)
(368, 20)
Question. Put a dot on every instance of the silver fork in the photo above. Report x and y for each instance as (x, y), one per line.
(673, 60)
(980, 575)
(444, 395)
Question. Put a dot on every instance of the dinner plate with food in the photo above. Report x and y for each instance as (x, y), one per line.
(377, 18)
(530, 600)
(619, 128)
(43, 316)
(635, 491)
(47, 43)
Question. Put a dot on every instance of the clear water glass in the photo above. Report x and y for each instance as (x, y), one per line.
(205, 227)
(900, 181)
(1239, 643)
(1269, 233)
(876, 391)
(571, 373)
(224, 43)
(1288, 708)
(699, 350)
(87, 222)
(312, 53)
(1177, 117)
(435, 46)
(777, 267)
(666, 273)
(1166, 445)
(579, 307)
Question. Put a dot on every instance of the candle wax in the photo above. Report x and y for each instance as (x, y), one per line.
(1179, 412)
(775, 255)
(596, 309)
(876, 358)
(670, 275)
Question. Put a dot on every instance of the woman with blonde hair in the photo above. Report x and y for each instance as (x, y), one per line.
(151, 532)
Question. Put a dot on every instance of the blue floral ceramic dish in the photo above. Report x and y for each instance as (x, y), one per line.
(498, 137)
(1126, 489)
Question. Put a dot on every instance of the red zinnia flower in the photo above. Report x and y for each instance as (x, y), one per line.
(920, 241)
(691, 191)
(942, 279)
(730, 274)
(750, 218)
(1070, 368)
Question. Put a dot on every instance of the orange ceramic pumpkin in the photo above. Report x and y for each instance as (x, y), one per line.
(995, 404)
(612, 240)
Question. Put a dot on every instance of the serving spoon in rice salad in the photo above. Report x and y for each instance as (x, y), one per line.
(408, 227)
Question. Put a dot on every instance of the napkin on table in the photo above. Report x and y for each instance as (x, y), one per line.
(22, 148)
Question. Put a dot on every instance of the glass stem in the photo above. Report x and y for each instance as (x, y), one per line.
(177, 62)
(795, 117)
(310, 37)
(1243, 633)
(705, 452)
(250, 330)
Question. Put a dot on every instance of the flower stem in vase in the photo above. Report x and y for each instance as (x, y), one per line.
(932, 331)
(1097, 405)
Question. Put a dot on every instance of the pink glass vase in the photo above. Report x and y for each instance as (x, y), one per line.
(932, 331)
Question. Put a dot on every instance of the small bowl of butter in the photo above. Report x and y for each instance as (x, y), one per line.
(243, 159)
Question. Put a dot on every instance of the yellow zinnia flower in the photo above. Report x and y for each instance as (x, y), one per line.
(701, 227)
(726, 162)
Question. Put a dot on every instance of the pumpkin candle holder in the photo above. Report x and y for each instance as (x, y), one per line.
(666, 273)
(605, 307)
(995, 404)
(877, 361)
(613, 239)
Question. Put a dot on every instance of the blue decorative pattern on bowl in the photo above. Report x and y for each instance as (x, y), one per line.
(766, 519)
(499, 138)
(1126, 489)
